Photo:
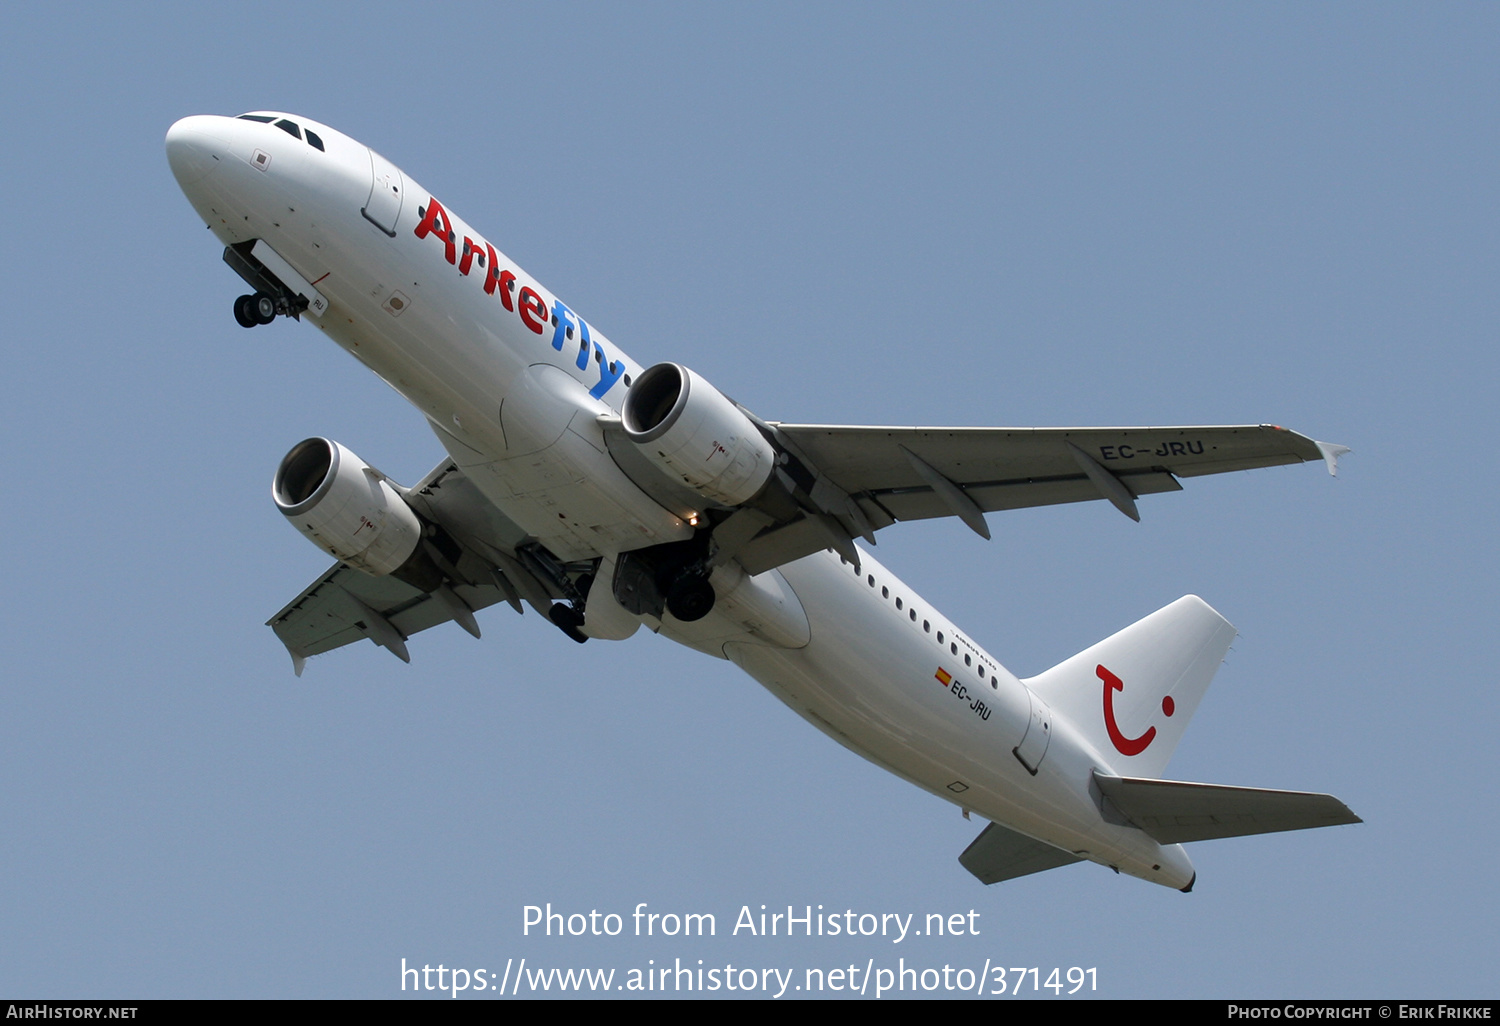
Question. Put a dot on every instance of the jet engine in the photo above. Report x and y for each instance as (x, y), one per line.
(690, 430)
(346, 507)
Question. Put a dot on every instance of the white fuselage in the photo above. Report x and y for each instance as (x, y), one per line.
(514, 383)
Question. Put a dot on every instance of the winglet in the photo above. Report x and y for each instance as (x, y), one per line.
(299, 658)
(1331, 453)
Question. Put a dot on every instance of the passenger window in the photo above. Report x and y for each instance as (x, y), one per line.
(290, 128)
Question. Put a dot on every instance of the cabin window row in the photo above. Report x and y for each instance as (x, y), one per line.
(885, 593)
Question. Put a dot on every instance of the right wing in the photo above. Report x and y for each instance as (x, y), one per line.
(478, 554)
(344, 606)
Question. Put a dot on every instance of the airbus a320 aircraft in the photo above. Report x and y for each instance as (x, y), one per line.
(607, 496)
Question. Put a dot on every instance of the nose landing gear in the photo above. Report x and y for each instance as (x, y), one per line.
(257, 309)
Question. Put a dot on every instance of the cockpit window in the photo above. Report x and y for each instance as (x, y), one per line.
(289, 127)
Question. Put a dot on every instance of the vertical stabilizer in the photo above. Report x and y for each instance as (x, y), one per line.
(1132, 694)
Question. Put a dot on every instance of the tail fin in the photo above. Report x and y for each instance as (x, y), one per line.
(1133, 693)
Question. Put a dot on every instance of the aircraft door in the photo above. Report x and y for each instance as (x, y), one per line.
(384, 205)
(1033, 746)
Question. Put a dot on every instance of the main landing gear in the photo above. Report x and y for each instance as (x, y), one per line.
(252, 310)
(672, 578)
(666, 578)
(690, 597)
(569, 620)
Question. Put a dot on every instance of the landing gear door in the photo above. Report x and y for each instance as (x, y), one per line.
(384, 205)
(1033, 746)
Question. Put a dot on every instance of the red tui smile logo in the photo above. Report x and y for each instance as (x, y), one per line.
(1126, 745)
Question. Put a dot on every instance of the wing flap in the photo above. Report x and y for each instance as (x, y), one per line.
(781, 545)
(999, 853)
(1177, 811)
(993, 496)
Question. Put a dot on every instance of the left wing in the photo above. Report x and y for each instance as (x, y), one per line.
(900, 472)
(834, 483)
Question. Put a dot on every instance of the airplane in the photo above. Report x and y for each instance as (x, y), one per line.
(608, 496)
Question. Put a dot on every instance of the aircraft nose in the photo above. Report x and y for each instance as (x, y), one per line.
(195, 146)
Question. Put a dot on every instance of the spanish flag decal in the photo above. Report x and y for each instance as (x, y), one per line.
(944, 677)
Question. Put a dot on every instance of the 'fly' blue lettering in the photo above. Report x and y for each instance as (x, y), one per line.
(585, 345)
(564, 323)
(609, 373)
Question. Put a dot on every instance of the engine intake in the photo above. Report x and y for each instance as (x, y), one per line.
(346, 507)
(690, 430)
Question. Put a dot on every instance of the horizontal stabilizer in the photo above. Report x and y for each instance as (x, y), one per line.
(1175, 811)
(1001, 854)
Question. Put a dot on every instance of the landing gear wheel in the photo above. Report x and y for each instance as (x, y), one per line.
(244, 312)
(264, 308)
(690, 598)
(568, 620)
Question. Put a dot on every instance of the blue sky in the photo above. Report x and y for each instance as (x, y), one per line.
(972, 215)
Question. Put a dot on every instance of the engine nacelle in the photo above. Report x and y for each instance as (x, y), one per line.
(686, 427)
(346, 507)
